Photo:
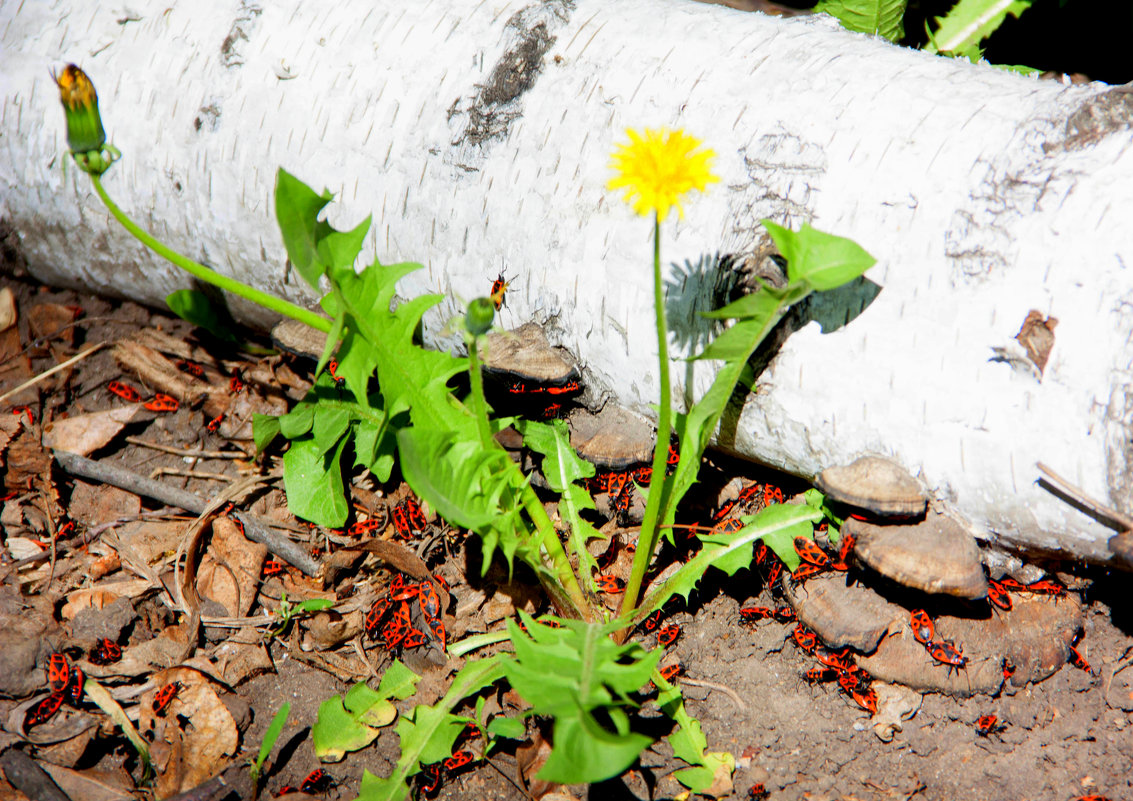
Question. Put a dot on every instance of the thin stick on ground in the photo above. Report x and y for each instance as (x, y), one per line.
(256, 529)
(31, 382)
(728, 691)
(197, 454)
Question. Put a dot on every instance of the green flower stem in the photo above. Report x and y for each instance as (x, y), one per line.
(211, 276)
(659, 483)
(476, 397)
(559, 560)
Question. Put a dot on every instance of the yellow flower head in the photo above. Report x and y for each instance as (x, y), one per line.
(659, 167)
(75, 89)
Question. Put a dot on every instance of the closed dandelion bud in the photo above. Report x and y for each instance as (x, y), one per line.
(80, 105)
(478, 319)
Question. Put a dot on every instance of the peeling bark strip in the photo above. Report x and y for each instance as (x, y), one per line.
(479, 135)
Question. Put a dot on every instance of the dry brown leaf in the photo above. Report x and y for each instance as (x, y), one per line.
(162, 651)
(95, 504)
(230, 570)
(26, 459)
(86, 433)
(104, 595)
(199, 748)
(15, 370)
(104, 565)
(67, 753)
(22, 547)
(242, 656)
(530, 760)
(91, 784)
(1037, 337)
(151, 541)
(51, 321)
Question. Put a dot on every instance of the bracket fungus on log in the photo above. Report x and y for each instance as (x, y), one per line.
(934, 556)
(875, 485)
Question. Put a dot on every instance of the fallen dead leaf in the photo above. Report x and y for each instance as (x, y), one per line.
(90, 784)
(52, 321)
(93, 505)
(1037, 338)
(242, 656)
(230, 570)
(895, 703)
(86, 433)
(98, 597)
(197, 728)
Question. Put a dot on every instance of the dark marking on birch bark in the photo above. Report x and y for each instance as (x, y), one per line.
(242, 27)
(499, 101)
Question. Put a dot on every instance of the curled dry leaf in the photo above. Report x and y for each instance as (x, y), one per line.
(186, 754)
(894, 704)
(1037, 338)
(230, 569)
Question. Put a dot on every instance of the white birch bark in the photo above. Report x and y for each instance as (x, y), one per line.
(479, 135)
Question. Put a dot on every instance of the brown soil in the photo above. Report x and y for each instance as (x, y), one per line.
(1067, 736)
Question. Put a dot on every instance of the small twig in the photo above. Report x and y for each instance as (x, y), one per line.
(1097, 507)
(728, 691)
(186, 452)
(173, 471)
(31, 382)
(255, 528)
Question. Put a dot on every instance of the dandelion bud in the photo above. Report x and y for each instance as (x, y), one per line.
(80, 105)
(478, 319)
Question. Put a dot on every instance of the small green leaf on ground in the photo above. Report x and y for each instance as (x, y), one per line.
(352, 722)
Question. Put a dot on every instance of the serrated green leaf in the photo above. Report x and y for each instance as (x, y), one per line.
(298, 421)
(339, 731)
(879, 17)
(339, 249)
(479, 489)
(970, 22)
(297, 210)
(711, 771)
(585, 751)
(570, 673)
(398, 681)
(735, 343)
(313, 481)
(562, 467)
(351, 722)
(733, 551)
(331, 342)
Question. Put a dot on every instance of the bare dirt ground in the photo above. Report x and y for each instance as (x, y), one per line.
(1068, 736)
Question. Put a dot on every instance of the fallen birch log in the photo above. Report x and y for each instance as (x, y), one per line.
(479, 135)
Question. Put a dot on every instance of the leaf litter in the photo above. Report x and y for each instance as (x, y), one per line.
(84, 560)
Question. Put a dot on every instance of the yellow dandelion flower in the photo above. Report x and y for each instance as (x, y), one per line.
(656, 168)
